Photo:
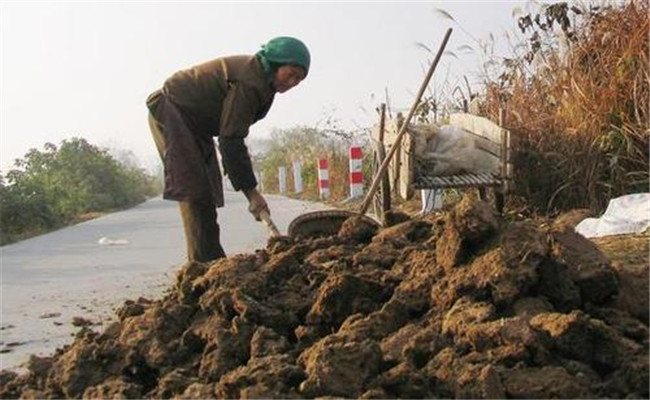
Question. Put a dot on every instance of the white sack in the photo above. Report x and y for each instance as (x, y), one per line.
(624, 215)
(454, 150)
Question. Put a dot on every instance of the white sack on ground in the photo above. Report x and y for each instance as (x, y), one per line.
(624, 215)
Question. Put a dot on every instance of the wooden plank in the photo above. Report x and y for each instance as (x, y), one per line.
(487, 145)
(406, 166)
(401, 166)
(477, 125)
(390, 134)
(397, 159)
(507, 183)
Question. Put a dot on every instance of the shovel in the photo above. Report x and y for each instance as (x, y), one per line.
(274, 232)
(325, 223)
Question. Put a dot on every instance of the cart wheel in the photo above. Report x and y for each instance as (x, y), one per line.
(381, 201)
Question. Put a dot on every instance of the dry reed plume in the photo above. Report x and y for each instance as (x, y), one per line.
(580, 118)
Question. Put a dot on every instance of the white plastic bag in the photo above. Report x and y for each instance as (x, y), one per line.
(624, 215)
(453, 151)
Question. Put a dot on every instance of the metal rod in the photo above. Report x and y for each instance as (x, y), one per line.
(402, 131)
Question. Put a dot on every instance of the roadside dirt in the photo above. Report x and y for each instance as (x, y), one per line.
(457, 304)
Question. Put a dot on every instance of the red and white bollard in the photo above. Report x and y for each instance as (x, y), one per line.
(356, 172)
(323, 179)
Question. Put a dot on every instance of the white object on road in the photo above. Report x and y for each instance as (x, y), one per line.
(106, 241)
(625, 214)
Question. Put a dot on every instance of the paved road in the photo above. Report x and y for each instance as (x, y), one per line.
(48, 280)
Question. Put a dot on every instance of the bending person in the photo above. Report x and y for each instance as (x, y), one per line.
(220, 98)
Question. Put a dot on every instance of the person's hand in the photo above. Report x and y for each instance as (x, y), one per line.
(256, 203)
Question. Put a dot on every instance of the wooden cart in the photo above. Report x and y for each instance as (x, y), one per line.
(404, 175)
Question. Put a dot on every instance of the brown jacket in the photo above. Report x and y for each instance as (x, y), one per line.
(223, 98)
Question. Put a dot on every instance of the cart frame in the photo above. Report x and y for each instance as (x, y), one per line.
(404, 178)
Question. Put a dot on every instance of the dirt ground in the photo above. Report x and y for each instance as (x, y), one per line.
(457, 304)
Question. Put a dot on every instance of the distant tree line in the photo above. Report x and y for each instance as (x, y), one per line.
(61, 185)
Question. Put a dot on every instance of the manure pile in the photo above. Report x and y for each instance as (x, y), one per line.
(458, 305)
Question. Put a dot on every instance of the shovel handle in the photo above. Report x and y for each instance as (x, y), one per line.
(266, 218)
(402, 131)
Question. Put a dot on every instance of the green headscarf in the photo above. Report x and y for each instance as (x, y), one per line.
(284, 50)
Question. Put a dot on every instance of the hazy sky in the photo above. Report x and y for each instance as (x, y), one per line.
(86, 68)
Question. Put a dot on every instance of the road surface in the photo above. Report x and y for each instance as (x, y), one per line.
(89, 269)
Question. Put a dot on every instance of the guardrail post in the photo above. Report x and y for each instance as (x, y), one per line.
(323, 179)
(297, 177)
(356, 172)
(282, 180)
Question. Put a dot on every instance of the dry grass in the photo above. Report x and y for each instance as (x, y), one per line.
(581, 120)
(629, 250)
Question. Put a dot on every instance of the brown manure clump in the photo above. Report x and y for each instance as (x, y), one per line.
(462, 304)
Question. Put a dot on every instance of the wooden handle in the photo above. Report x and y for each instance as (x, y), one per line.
(266, 218)
(402, 131)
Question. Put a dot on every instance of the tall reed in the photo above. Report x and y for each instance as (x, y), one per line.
(579, 112)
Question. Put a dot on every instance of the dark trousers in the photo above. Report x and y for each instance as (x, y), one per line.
(199, 218)
(201, 231)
